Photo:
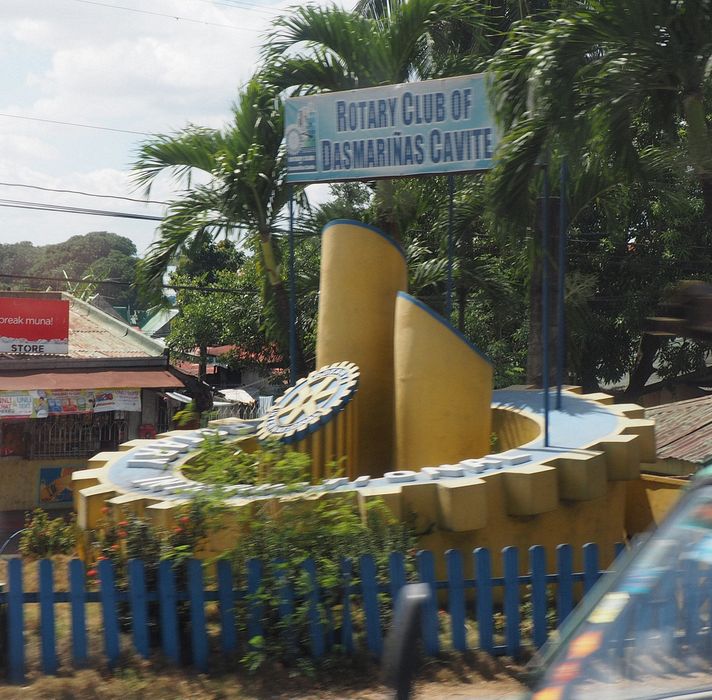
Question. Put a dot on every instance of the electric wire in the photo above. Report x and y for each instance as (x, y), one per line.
(40, 206)
(241, 6)
(77, 124)
(162, 14)
(120, 283)
(85, 194)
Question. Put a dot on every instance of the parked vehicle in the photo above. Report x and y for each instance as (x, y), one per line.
(644, 630)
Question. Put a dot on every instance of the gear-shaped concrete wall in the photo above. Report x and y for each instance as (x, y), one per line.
(573, 491)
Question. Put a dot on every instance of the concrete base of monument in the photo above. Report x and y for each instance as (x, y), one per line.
(572, 491)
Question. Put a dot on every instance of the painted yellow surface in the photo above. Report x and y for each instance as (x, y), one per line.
(530, 490)
(622, 456)
(601, 519)
(514, 428)
(20, 479)
(317, 417)
(645, 429)
(649, 499)
(575, 497)
(582, 475)
(361, 272)
(443, 391)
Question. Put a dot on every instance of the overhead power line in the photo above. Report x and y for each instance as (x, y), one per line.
(83, 126)
(250, 7)
(41, 206)
(85, 194)
(161, 14)
(188, 287)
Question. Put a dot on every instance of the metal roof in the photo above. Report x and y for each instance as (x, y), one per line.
(94, 334)
(158, 320)
(87, 379)
(683, 430)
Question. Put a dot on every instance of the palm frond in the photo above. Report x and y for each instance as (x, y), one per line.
(179, 154)
(200, 210)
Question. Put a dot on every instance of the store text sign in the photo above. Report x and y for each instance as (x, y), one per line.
(431, 127)
(38, 326)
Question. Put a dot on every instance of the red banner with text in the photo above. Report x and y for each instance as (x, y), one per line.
(36, 326)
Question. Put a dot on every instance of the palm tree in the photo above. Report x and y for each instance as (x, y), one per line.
(619, 85)
(244, 194)
(318, 49)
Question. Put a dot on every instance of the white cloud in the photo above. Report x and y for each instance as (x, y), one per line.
(78, 62)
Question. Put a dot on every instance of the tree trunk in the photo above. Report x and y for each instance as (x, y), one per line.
(203, 363)
(706, 187)
(644, 365)
(281, 302)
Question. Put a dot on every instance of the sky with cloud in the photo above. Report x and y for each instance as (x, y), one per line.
(132, 67)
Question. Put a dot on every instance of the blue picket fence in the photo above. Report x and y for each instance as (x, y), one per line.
(488, 600)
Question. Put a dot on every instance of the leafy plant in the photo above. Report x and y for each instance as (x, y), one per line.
(44, 536)
(187, 417)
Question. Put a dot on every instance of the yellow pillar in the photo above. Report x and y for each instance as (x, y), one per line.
(443, 390)
(361, 271)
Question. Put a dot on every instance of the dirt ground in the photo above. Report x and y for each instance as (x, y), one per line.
(461, 677)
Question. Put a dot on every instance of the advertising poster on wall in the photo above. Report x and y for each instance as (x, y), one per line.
(41, 403)
(430, 127)
(34, 326)
(55, 489)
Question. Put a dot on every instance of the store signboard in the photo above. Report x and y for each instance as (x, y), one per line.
(40, 403)
(36, 326)
(431, 127)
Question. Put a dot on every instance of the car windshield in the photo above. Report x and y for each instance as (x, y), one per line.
(646, 631)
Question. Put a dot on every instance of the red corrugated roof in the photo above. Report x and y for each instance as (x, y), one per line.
(193, 368)
(86, 379)
(268, 355)
(683, 430)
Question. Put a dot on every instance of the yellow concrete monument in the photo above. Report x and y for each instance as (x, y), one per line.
(443, 390)
(430, 438)
(362, 270)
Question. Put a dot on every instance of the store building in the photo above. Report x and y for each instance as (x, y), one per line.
(74, 381)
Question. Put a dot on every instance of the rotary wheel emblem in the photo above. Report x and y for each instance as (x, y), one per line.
(311, 402)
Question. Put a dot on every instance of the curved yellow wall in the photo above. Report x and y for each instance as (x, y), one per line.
(443, 390)
(361, 272)
(513, 428)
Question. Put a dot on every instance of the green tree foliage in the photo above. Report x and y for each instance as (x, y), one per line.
(245, 194)
(204, 256)
(100, 255)
(620, 87)
(218, 318)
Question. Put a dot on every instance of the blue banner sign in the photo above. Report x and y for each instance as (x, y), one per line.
(431, 127)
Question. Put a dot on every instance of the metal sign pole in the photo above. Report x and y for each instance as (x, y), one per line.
(561, 298)
(450, 245)
(292, 297)
(545, 301)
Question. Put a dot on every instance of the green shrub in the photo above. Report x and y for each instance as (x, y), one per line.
(44, 536)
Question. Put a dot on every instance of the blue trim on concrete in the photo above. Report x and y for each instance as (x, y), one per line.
(370, 227)
(451, 328)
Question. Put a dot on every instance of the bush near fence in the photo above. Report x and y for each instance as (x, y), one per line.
(227, 619)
